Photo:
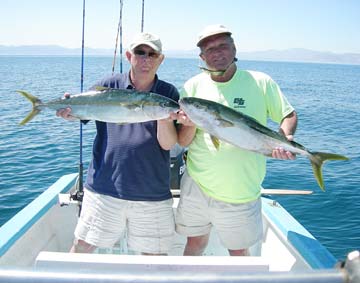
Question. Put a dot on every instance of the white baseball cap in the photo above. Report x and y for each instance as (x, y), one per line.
(148, 39)
(210, 31)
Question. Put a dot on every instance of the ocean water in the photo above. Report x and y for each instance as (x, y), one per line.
(325, 96)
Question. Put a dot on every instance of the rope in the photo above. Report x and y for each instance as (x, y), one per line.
(119, 32)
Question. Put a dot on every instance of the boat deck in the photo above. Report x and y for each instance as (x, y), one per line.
(42, 234)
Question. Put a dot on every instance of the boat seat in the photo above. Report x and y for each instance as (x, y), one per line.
(111, 262)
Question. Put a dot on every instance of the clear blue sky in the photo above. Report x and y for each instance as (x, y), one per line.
(323, 25)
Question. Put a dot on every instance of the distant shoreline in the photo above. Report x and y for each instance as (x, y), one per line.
(289, 55)
(177, 58)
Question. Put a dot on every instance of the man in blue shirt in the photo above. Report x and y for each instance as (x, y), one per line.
(128, 182)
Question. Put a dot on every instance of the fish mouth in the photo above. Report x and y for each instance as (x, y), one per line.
(182, 103)
(219, 72)
(212, 72)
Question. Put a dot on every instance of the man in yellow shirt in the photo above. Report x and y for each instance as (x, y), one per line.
(221, 187)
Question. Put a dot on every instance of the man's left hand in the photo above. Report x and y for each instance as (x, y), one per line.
(280, 153)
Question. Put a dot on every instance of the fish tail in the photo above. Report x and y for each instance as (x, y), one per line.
(317, 159)
(35, 110)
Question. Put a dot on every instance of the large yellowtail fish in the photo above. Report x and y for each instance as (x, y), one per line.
(246, 133)
(109, 105)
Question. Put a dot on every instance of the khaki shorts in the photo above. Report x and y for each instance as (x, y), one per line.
(104, 220)
(238, 226)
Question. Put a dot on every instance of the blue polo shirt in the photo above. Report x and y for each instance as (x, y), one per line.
(128, 161)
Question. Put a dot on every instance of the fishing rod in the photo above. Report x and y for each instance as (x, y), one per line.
(142, 15)
(79, 187)
(119, 33)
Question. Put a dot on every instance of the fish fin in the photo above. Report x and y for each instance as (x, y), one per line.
(215, 141)
(225, 123)
(101, 88)
(35, 110)
(317, 159)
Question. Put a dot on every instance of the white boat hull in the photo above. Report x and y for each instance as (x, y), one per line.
(40, 236)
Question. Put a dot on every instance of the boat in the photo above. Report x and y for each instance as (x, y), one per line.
(35, 244)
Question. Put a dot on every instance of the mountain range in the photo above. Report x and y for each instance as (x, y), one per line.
(290, 55)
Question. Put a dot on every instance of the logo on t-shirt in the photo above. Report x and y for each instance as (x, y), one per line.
(239, 102)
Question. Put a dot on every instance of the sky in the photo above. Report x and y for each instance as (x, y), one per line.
(257, 25)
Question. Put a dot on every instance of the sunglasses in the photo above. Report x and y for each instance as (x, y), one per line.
(143, 53)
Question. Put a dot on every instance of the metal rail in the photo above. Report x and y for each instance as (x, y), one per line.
(348, 272)
(56, 276)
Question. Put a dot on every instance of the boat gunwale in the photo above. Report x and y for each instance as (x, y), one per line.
(18, 225)
(303, 242)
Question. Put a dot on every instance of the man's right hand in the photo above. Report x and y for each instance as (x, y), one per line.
(183, 119)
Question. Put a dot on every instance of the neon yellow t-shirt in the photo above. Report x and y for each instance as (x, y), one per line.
(231, 174)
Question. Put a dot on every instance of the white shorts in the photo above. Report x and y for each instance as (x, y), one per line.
(239, 226)
(150, 225)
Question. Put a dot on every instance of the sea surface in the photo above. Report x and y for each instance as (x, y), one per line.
(325, 96)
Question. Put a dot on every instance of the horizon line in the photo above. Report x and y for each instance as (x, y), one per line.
(182, 50)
